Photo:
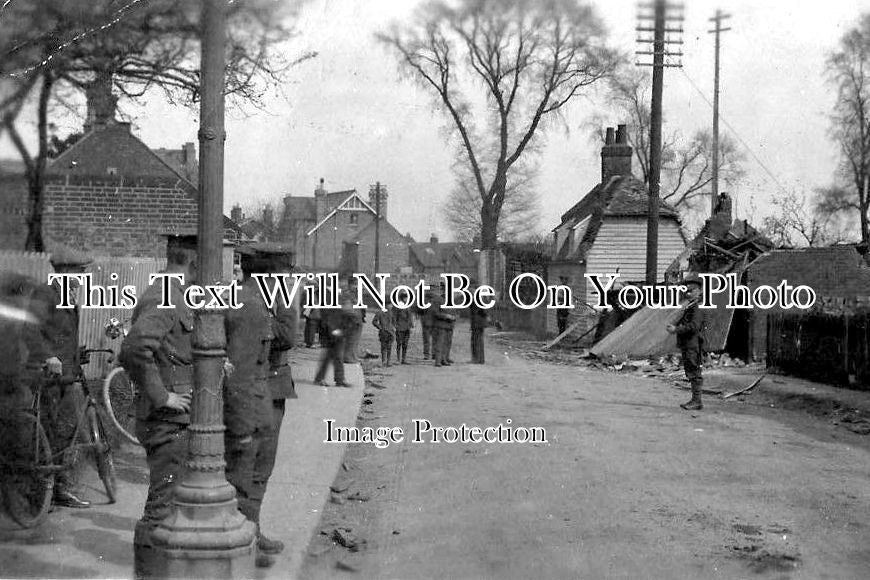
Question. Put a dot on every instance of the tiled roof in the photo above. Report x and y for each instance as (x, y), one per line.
(112, 150)
(621, 196)
(438, 254)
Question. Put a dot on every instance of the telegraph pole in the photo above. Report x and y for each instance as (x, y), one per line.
(717, 31)
(206, 536)
(662, 27)
(377, 189)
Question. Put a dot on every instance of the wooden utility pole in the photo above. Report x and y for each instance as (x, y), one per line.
(206, 536)
(659, 43)
(377, 227)
(717, 31)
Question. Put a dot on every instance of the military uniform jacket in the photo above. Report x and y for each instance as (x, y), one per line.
(284, 324)
(402, 319)
(689, 328)
(479, 316)
(443, 319)
(157, 354)
(247, 399)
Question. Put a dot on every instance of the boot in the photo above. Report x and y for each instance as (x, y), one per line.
(268, 545)
(694, 404)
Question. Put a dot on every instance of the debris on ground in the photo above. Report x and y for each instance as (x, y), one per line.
(345, 538)
(751, 386)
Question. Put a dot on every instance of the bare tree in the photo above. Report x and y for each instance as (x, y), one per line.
(799, 222)
(528, 59)
(687, 164)
(848, 69)
(52, 46)
(520, 213)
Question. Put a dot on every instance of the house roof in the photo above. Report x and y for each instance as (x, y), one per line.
(842, 261)
(352, 202)
(436, 255)
(113, 151)
(620, 196)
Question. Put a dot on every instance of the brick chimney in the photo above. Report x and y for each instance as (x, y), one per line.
(723, 209)
(433, 239)
(320, 201)
(373, 199)
(616, 154)
(268, 217)
(236, 214)
(101, 103)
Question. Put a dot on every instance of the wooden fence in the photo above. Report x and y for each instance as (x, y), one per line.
(829, 348)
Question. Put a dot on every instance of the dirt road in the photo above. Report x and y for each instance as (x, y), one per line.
(627, 486)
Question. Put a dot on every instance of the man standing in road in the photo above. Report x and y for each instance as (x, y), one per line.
(336, 323)
(157, 356)
(690, 340)
(478, 325)
(403, 320)
(281, 388)
(248, 409)
(443, 330)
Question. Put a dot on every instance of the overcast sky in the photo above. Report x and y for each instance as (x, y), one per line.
(350, 117)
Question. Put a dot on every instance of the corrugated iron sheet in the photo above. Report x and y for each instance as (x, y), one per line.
(130, 271)
(33, 264)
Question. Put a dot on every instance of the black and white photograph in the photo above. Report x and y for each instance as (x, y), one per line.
(426, 289)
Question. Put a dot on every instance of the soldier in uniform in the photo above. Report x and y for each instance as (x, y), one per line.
(157, 355)
(383, 321)
(280, 382)
(443, 321)
(248, 408)
(403, 320)
(62, 394)
(337, 323)
(690, 340)
(479, 317)
(427, 321)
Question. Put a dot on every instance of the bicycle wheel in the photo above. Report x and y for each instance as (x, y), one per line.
(28, 478)
(119, 397)
(102, 453)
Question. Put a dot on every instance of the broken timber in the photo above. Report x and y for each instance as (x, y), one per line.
(746, 390)
(567, 332)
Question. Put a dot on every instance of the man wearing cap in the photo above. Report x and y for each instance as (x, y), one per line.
(247, 400)
(280, 386)
(442, 326)
(157, 355)
(337, 323)
(690, 340)
(62, 394)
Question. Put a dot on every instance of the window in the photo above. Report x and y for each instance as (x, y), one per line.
(353, 218)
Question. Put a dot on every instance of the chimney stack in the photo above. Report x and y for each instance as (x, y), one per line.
(268, 217)
(616, 154)
(101, 103)
(236, 214)
(433, 239)
(320, 201)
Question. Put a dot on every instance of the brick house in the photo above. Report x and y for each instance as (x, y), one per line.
(336, 231)
(839, 271)
(13, 205)
(262, 229)
(605, 231)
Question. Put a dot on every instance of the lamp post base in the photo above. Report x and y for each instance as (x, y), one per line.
(196, 541)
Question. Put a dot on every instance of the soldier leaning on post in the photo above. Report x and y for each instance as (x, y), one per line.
(62, 394)
(690, 340)
(479, 318)
(157, 355)
(247, 400)
(281, 388)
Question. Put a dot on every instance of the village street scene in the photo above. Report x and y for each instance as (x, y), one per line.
(658, 212)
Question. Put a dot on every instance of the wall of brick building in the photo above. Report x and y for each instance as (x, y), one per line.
(393, 254)
(837, 271)
(116, 218)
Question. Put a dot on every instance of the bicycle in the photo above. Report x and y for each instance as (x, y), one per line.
(119, 392)
(28, 465)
